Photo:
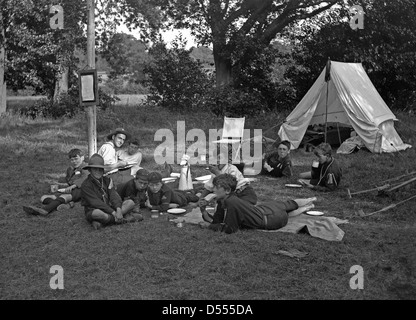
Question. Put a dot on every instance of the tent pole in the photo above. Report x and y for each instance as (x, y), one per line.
(326, 108)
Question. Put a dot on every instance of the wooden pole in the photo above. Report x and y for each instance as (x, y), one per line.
(91, 110)
(2, 67)
(327, 79)
(326, 110)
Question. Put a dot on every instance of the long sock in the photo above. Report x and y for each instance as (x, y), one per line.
(51, 206)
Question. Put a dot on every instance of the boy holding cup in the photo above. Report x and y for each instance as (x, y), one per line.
(325, 173)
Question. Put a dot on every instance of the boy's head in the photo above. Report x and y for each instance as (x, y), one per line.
(323, 152)
(118, 137)
(76, 156)
(96, 166)
(133, 147)
(283, 149)
(155, 181)
(142, 179)
(224, 184)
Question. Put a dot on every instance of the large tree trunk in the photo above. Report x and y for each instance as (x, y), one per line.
(62, 84)
(222, 67)
(2, 67)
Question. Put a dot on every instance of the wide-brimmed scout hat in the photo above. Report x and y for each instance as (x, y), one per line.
(142, 174)
(96, 161)
(116, 131)
(154, 177)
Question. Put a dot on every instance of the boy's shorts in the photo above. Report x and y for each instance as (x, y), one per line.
(275, 213)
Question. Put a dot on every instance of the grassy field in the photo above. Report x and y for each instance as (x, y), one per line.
(154, 259)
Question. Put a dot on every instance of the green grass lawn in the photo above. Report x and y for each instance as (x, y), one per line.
(154, 259)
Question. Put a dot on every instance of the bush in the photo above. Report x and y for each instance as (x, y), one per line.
(227, 101)
(176, 81)
(67, 105)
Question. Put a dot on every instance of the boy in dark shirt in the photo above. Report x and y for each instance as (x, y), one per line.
(278, 163)
(325, 173)
(75, 176)
(233, 213)
(102, 204)
(161, 197)
(136, 190)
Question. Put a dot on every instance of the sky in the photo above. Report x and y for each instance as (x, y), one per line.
(167, 36)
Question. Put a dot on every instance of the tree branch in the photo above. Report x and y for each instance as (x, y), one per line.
(288, 16)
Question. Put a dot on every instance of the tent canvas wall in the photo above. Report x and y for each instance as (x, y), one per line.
(352, 100)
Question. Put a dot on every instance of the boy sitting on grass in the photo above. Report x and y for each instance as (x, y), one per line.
(75, 176)
(325, 173)
(131, 155)
(162, 197)
(102, 204)
(136, 190)
(233, 214)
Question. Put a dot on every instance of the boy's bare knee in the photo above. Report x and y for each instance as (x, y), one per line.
(127, 206)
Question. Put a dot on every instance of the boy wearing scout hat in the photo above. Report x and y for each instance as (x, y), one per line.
(102, 204)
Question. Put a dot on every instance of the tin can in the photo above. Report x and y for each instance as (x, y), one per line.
(179, 225)
(155, 214)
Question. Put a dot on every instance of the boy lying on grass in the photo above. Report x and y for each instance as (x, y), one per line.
(75, 176)
(102, 204)
(161, 197)
(243, 189)
(233, 214)
(277, 163)
(325, 173)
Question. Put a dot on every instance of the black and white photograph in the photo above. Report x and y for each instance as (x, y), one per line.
(208, 158)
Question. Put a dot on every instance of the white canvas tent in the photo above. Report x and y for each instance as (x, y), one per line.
(352, 100)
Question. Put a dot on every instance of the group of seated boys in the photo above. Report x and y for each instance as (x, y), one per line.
(113, 188)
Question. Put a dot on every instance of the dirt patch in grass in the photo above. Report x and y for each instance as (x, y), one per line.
(154, 259)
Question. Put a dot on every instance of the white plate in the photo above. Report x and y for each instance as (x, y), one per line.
(168, 179)
(291, 185)
(175, 174)
(176, 211)
(203, 178)
(314, 213)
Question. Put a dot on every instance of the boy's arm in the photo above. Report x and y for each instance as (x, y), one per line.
(80, 178)
(68, 176)
(115, 198)
(287, 169)
(227, 222)
(165, 201)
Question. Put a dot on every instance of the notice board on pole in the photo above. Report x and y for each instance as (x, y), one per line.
(88, 87)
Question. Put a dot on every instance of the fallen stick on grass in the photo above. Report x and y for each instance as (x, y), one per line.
(401, 185)
(350, 194)
(391, 206)
(399, 177)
